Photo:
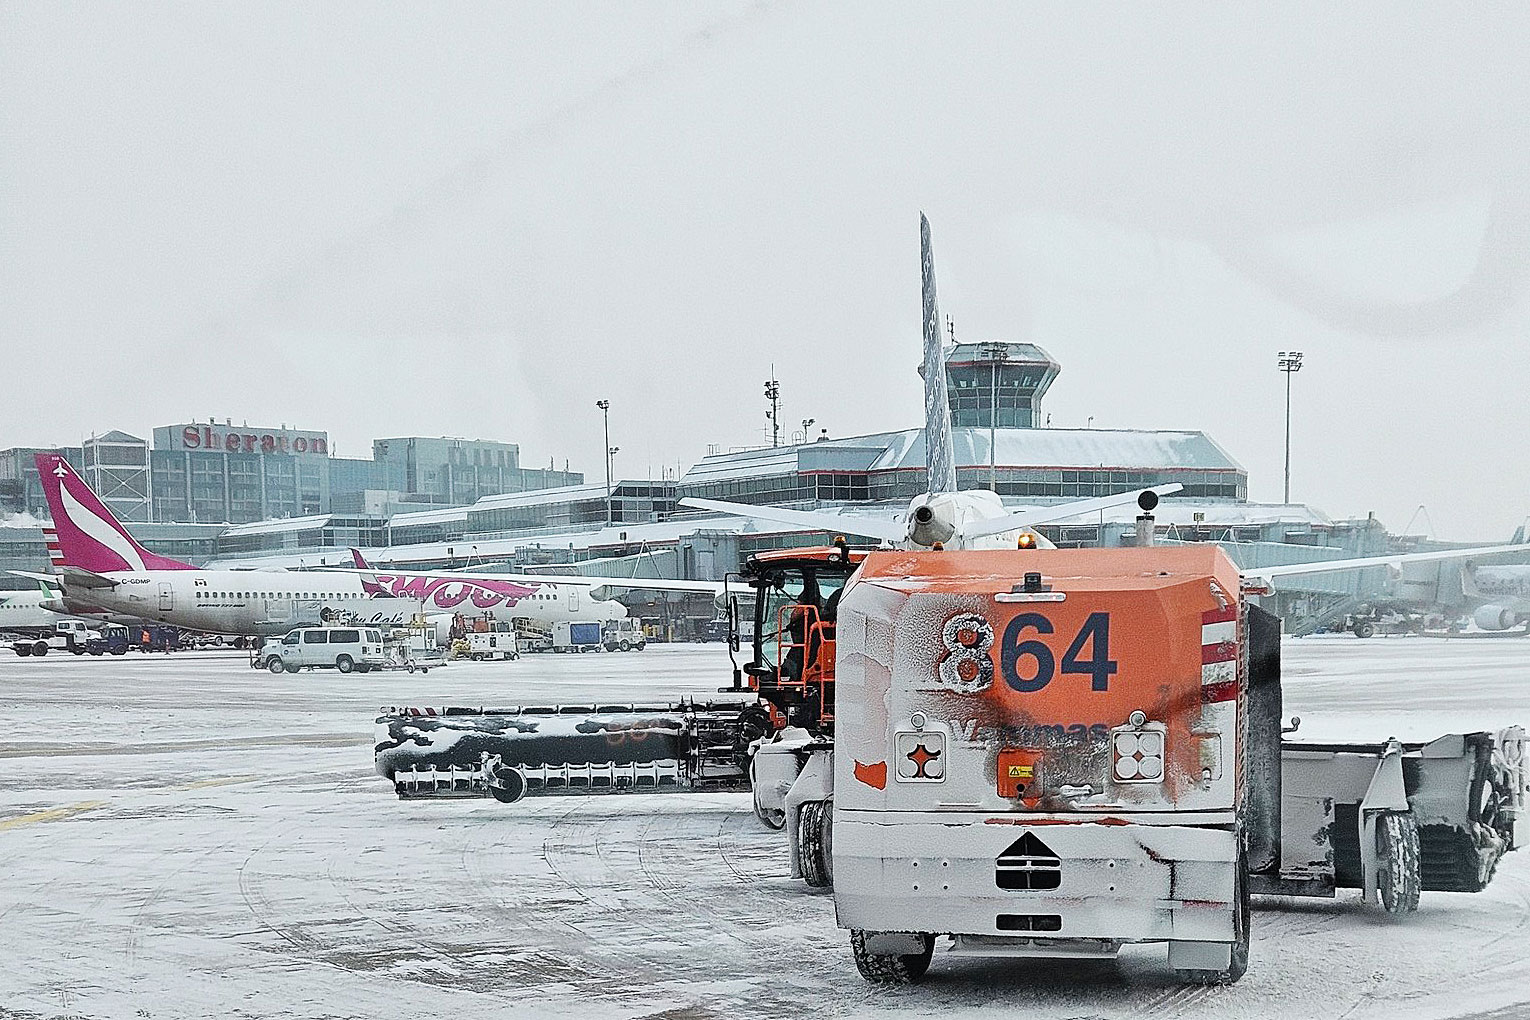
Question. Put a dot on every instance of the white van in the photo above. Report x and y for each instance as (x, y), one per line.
(344, 648)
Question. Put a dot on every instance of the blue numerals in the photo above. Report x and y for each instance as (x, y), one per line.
(1028, 664)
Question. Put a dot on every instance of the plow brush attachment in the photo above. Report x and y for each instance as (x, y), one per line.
(509, 753)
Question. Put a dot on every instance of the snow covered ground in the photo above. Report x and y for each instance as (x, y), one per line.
(181, 836)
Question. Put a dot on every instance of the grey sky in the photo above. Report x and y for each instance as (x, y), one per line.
(476, 220)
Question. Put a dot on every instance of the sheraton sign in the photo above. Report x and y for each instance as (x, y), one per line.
(227, 439)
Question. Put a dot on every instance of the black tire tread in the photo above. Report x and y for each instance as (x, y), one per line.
(890, 968)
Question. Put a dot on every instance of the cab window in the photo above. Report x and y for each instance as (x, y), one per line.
(290, 639)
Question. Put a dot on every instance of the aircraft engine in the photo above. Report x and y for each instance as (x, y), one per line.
(932, 522)
(1494, 618)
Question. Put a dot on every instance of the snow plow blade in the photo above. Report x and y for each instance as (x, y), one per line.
(1394, 819)
(513, 752)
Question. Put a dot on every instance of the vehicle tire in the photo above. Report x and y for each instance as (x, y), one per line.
(274, 664)
(1365, 629)
(119, 651)
(1239, 961)
(891, 968)
(410, 667)
(21, 649)
(40, 648)
(511, 788)
(97, 651)
(1399, 878)
(815, 840)
(345, 663)
(293, 668)
(626, 646)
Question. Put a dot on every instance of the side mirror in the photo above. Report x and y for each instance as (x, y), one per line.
(733, 623)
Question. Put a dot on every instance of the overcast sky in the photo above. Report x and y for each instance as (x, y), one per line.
(476, 220)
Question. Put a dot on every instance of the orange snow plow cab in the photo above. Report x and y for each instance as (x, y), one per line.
(1038, 753)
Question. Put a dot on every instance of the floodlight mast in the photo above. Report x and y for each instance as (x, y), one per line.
(1290, 363)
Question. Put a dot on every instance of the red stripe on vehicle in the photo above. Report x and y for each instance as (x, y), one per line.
(1222, 651)
(1227, 690)
(1220, 615)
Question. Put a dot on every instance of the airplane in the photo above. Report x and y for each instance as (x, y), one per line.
(944, 518)
(31, 612)
(1502, 593)
(102, 567)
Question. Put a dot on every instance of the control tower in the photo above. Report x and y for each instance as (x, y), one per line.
(998, 384)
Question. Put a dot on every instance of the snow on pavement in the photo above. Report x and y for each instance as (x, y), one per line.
(181, 836)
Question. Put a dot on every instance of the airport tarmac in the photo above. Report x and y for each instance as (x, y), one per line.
(182, 836)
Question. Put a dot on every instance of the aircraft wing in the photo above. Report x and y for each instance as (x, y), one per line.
(1062, 511)
(815, 520)
(1324, 566)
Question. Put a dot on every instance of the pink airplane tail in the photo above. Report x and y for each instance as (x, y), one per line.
(89, 536)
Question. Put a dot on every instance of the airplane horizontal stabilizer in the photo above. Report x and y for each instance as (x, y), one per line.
(815, 520)
(1062, 511)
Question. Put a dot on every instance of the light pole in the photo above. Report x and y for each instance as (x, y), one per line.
(1290, 363)
(807, 423)
(605, 414)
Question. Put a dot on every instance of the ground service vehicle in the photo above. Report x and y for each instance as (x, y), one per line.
(624, 635)
(1047, 769)
(494, 644)
(576, 637)
(1038, 754)
(67, 635)
(113, 640)
(343, 648)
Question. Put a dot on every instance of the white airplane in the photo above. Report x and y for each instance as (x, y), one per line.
(102, 567)
(942, 517)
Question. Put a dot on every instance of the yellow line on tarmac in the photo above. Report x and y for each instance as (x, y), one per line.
(51, 815)
(202, 784)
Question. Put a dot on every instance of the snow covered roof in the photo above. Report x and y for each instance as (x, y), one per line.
(1081, 449)
(437, 515)
(280, 526)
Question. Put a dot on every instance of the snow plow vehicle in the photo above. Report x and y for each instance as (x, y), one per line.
(1387, 818)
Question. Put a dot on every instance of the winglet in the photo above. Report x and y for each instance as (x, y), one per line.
(939, 454)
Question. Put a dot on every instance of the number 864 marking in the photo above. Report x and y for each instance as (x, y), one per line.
(967, 668)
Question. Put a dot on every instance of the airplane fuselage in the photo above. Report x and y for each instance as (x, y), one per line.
(245, 602)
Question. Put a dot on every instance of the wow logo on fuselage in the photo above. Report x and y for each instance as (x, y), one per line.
(447, 592)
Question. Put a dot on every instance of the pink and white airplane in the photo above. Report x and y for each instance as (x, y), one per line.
(101, 567)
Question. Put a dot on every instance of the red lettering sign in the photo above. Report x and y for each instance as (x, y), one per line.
(202, 437)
